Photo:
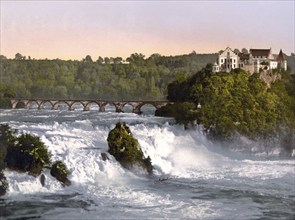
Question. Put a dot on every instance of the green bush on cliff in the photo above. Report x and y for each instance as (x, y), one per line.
(126, 149)
(225, 103)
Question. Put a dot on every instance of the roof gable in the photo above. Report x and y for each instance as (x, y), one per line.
(281, 56)
(226, 51)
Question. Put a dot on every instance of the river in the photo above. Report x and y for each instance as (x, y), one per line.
(193, 177)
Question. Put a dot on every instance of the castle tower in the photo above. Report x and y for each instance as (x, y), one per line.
(282, 62)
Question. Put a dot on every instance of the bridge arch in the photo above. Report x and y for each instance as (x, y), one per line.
(90, 105)
(127, 107)
(22, 104)
(147, 108)
(34, 104)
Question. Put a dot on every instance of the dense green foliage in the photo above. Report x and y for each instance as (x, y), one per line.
(28, 153)
(7, 138)
(6, 92)
(106, 78)
(126, 149)
(60, 171)
(225, 103)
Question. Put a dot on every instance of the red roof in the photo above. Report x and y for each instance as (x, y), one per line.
(260, 52)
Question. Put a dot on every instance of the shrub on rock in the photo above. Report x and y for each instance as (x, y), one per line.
(60, 172)
(28, 154)
(126, 149)
(6, 138)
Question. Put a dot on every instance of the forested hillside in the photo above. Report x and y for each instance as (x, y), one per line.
(105, 78)
(228, 103)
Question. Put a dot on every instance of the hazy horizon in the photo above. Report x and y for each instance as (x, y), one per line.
(74, 29)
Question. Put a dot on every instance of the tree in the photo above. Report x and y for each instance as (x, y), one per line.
(117, 60)
(2, 57)
(99, 60)
(236, 51)
(88, 59)
(136, 58)
(107, 60)
(18, 56)
(244, 50)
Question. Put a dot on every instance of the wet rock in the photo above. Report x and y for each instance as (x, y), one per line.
(126, 149)
(42, 179)
(3, 184)
(104, 156)
(60, 172)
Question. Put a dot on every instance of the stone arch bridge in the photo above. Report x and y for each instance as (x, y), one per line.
(119, 105)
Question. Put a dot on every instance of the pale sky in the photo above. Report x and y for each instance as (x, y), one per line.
(74, 29)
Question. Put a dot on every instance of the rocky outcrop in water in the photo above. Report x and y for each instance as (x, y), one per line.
(3, 184)
(126, 149)
(27, 153)
(60, 172)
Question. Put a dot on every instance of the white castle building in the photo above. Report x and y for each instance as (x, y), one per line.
(253, 61)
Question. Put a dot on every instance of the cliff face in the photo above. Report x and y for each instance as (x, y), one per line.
(269, 77)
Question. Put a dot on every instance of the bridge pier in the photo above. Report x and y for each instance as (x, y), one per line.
(136, 107)
(54, 105)
(85, 105)
(70, 104)
(13, 103)
(102, 108)
(119, 106)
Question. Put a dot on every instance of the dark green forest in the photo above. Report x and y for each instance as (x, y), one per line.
(137, 78)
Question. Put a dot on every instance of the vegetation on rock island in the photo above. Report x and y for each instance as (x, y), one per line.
(60, 171)
(26, 153)
(126, 149)
(235, 102)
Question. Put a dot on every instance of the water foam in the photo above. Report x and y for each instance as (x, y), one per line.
(180, 157)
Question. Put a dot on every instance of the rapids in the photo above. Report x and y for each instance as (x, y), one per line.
(193, 177)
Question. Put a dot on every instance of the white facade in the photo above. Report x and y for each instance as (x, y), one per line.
(228, 60)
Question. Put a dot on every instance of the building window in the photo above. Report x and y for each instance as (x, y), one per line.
(221, 60)
(234, 60)
(234, 65)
